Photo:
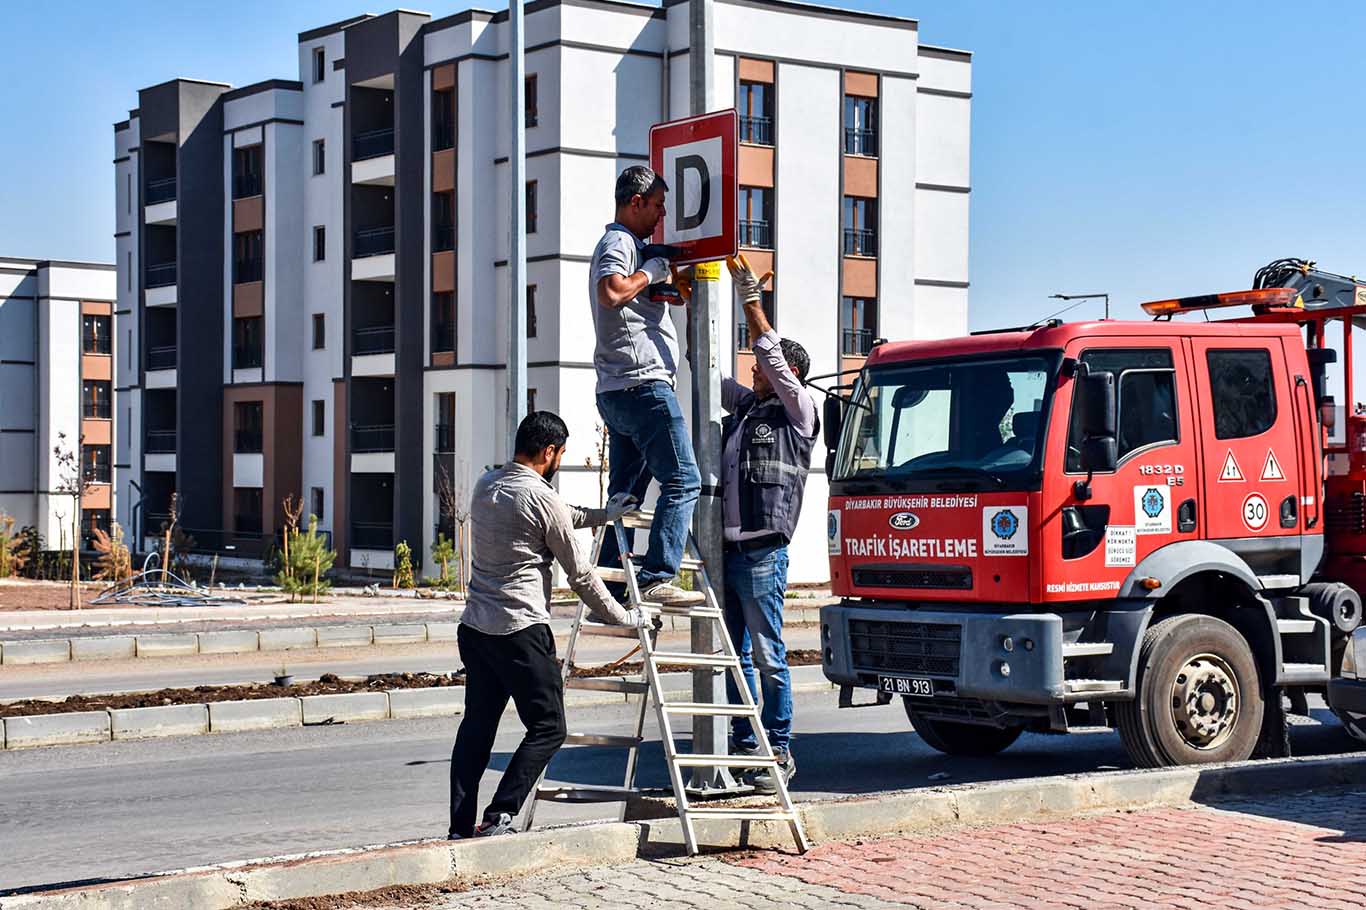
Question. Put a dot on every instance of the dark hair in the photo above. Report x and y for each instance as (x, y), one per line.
(538, 430)
(796, 358)
(638, 180)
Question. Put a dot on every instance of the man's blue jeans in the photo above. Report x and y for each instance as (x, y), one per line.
(648, 439)
(755, 583)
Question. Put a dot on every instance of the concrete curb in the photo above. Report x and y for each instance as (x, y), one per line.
(472, 862)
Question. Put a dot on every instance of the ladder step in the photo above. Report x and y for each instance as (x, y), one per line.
(608, 684)
(689, 611)
(641, 519)
(703, 760)
(588, 794)
(1093, 685)
(601, 739)
(611, 575)
(1087, 648)
(704, 708)
(695, 660)
(775, 814)
(1292, 626)
(597, 628)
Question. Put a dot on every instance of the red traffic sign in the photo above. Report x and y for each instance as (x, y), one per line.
(697, 157)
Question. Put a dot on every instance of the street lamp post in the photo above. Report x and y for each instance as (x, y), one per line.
(516, 371)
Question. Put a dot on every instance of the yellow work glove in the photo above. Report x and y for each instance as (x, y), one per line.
(747, 284)
(682, 282)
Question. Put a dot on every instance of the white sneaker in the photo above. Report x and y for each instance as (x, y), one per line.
(667, 594)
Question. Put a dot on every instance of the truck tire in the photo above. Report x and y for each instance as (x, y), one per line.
(954, 738)
(1199, 695)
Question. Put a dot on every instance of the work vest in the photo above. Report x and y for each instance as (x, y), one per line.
(774, 460)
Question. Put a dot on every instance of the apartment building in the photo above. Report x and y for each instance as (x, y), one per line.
(57, 353)
(313, 273)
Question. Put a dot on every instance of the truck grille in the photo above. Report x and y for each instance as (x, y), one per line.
(954, 578)
(925, 648)
(1346, 514)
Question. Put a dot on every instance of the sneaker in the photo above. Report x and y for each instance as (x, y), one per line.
(492, 828)
(667, 594)
(763, 780)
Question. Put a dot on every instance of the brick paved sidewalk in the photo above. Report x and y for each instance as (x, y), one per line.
(1289, 852)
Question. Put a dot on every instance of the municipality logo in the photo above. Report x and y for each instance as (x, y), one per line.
(832, 526)
(1153, 503)
(1004, 524)
(763, 432)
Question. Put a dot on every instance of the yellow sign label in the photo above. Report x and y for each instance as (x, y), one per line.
(707, 271)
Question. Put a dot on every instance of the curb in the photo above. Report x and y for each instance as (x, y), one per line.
(73, 728)
(472, 862)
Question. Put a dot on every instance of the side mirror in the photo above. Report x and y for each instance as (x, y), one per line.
(1098, 405)
(832, 416)
(1099, 453)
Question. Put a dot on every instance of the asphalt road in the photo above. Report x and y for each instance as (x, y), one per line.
(117, 810)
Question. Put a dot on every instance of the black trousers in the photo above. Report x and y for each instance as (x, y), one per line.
(520, 666)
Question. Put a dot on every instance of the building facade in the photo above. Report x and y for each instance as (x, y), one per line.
(313, 273)
(57, 353)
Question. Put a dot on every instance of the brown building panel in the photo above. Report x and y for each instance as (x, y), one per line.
(97, 432)
(860, 176)
(756, 165)
(98, 496)
(341, 472)
(443, 171)
(860, 277)
(760, 261)
(248, 214)
(848, 363)
(97, 366)
(281, 448)
(248, 299)
(755, 70)
(744, 365)
(96, 308)
(443, 272)
(443, 358)
(862, 84)
(443, 77)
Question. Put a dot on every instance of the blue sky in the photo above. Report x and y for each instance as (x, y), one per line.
(1146, 149)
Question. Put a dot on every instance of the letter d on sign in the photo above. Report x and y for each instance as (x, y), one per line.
(694, 188)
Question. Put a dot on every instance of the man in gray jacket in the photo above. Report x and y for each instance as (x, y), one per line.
(520, 524)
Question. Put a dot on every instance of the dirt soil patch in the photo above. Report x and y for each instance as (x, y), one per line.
(27, 594)
(414, 896)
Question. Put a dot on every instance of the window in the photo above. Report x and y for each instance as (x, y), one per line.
(530, 400)
(443, 222)
(742, 340)
(531, 206)
(529, 95)
(319, 331)
(443, 322)
(315, 502)
(319, 157)
(247, 421)
(443, 121)
(1147, 400)
(445, 422)
(860, 226)
(531, 311)
(246, 256)
(129, 271)
(319, 417)
(247, 348)
(129, 194)
(319, 64)
(858, 325)
(1244, 397)
(95, 335)
(95, 399)
(860, 126)
(246, 508)
(246, 172)
(756, 113)
(319, 243)
(95, 463)
(756, 217)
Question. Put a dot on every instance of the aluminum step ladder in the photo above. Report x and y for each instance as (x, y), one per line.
(651, 691)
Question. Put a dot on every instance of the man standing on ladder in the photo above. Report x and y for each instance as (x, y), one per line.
(766, 453)
(519, 525)
(636, 358)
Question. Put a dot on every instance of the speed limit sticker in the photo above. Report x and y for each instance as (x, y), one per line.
(1254, 512)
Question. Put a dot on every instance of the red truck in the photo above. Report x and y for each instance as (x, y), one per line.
(1151, 526)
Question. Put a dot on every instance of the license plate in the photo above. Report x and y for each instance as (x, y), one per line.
(918, 686)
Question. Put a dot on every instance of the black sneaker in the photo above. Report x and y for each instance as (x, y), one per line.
(493, 828)
(763, 780)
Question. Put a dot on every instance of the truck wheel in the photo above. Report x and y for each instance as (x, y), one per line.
(1199, 695)
(1354, 724)
(954, 738)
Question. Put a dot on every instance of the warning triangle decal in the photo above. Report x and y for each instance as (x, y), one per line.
(1272, 469)
(1231, 470)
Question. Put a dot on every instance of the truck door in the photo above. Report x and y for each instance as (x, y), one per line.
(1252, 472)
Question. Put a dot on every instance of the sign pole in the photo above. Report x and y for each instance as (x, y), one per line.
(516, 372)
(708, 736)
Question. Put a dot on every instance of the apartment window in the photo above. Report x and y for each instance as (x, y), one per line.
(95, 398)
(742, 340)
(443, 322)
(91, 519)
(247, 260)
(860, 226)
(129, 271)
(319, 331)
(319, 157)
(443, 121)
(319, 64)
(319, 243)
(529, 96)
(860, 126)
(756, 113)
(531, 206)
(315, 502)
(319, 417)
(129, 194)
(95, 335)
(247, 346)
(443, 222)
(246, 172)
(530, 400)
(756, 217)
(445, 422)
(128, 350)
(246, 510)
(95, 464)
(247, 422)
(531, 311)
(858, 325)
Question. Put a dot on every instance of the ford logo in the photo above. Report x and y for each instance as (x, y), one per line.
(904, 521)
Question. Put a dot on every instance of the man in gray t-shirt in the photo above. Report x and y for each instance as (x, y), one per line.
(636, 357)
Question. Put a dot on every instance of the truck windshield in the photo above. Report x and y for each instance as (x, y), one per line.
(965, 424)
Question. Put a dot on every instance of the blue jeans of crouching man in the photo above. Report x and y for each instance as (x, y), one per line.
(756, 581)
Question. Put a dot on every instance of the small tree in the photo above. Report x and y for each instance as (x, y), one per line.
(443, 552)
(454, 498)
(14, 552)
(310, 559)
(115, 562)
(403, 565)
(74, 482)
(600, 447)
(293, 508)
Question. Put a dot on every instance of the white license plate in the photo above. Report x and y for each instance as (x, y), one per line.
(907, 685)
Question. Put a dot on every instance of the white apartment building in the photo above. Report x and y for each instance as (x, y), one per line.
(321, 264)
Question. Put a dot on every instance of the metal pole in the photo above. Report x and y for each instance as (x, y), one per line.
(708, 736)
(516, 372)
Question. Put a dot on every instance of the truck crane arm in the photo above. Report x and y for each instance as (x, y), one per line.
(1317, 289)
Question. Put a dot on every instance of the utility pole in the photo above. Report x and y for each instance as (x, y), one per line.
(516, 372)
(708, 736)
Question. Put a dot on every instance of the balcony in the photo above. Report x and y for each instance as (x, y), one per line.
(99, 473)
(162, 190)
(246, 357)
(95, 342)
(246, 185)
(860, 242)
(443, 136)
(373, 340)
(159, 442)
(373, 241)
(445, 439)
(96, 410)
(443, 238)
(372, 144)
(367, 438)
(161, 275)
(246, 441)
(247, 270)
(856, 342)
(756, 234)
(443, 336)
(756, 130)
(372, 535)
(860, 142)
(162, 357)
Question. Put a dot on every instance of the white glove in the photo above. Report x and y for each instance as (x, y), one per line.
(747, 284)
(620, 504)
(657, 269)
